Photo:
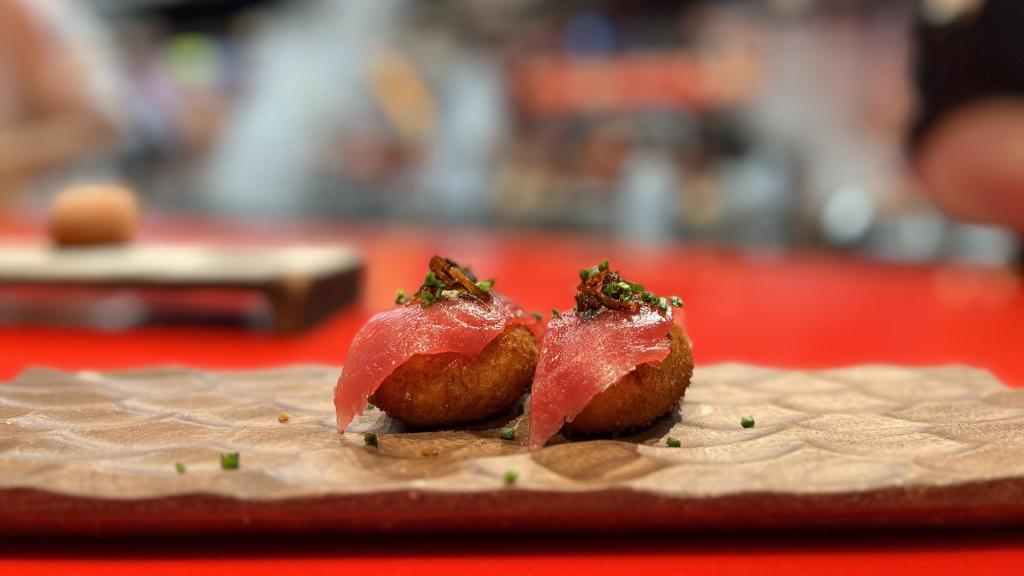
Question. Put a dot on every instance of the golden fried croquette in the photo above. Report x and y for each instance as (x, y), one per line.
(431, 390)
(641, 396)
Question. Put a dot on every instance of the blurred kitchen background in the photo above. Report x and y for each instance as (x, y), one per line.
(770, 124)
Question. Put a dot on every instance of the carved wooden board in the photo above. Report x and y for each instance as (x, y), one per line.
(868, 446)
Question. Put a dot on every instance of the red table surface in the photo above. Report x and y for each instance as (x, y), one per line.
(779, 309)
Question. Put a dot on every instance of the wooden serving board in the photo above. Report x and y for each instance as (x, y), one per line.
(303, 284)
(869, 446)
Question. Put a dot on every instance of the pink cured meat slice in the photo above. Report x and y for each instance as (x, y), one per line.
(394, 336)
(579, 359)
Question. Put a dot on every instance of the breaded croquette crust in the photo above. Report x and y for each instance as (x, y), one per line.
(641, 396)
(433, 390)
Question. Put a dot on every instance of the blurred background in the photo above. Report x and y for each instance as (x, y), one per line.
(767, 124)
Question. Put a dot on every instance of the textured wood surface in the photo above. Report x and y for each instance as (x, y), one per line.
(868, 446)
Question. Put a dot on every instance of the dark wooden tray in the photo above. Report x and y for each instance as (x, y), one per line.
(869, 446)
(302, 284)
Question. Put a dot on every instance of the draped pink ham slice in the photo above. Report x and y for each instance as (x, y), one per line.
(394, 336)
(579, 359)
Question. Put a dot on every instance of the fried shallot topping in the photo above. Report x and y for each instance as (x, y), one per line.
(447, 280)
(603, 289)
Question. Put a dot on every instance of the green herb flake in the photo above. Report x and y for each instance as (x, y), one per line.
(180, 467)
(537, 316)
(663, 304)
(747, 421)
(510, 477)
(603, 266)
(555, 313)
(485, 285)
(401, 297)
(673, 442)
(371, 406)
(636, 288)
(675, 301)
(585, 274)
(370, 439)
(508, 433)
(229, 460)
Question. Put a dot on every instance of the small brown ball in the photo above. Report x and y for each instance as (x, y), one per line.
(641, 396)
(431, 390)
(94, 215)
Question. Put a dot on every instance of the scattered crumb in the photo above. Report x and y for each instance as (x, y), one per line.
(430, 451)
(283, 417)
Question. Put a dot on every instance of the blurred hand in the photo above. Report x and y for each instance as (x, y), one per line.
(972, 163)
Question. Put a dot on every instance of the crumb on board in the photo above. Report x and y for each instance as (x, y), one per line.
(283, 417)
(430, 451)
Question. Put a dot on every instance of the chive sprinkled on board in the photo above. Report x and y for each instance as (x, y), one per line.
(180, 467)
(673, 442)
(747, 421)
(508, 433)
(370, 439)
(510, 477)
(229, 460)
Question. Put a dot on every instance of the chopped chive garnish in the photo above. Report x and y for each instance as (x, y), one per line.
(401, 297)
(555, 313)
(180, 467)
(447, 280)
(510, 477)
(229, 460)
(603, 289)
(747, 421)
(370, 439)
(673, 442)
(537, 316)
(508, 433)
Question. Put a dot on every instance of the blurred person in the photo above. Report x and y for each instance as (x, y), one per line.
(58, 90)
(968, 138)
(309, 84)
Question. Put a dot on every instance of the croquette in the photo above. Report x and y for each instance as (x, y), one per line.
(641, 396)
(435, 390)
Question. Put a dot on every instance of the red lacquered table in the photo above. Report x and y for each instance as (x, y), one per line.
(792, 310)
